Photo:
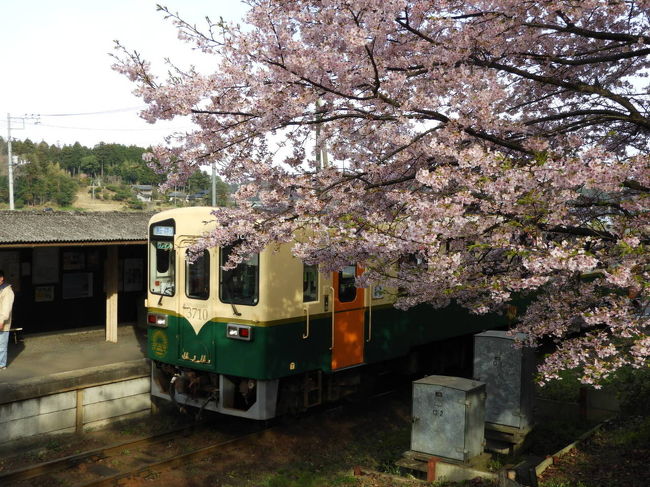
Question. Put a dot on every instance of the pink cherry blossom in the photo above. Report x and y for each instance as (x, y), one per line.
(487, 153)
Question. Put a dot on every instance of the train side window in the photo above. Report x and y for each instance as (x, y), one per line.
(241, 284)
(197, 277)
(309, 283)
(161, 270)
(347, 288)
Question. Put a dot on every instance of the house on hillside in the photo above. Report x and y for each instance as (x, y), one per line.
(198, 198)
(143, 192)
(177, 197)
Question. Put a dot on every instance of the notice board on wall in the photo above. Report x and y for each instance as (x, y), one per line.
(10, 264)
(45, 265)
(77, 285)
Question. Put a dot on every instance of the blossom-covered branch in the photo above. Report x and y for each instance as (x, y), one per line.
(488, 153)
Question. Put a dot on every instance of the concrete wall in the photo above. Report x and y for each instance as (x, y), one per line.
(594, 405)
(75, 410)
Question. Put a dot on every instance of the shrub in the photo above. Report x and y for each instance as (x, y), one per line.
(633, 389)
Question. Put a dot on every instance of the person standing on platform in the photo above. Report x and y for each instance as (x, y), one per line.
(6, 306)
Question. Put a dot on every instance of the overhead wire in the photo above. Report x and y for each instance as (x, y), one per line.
(102, 112)
(35, 120)
(167, 129)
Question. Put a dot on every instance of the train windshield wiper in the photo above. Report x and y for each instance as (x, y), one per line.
(230, 296)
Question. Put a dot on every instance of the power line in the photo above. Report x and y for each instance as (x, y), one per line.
(99, 129)
(108, 129)
(103, 112)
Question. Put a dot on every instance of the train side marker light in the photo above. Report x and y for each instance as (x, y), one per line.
(157, 320)
(239, 332)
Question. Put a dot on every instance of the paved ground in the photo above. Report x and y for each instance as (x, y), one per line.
(38, 356)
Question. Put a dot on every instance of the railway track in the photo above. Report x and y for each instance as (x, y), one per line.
(147, 457)
(106, 466)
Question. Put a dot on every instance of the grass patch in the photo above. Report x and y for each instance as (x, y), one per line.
(300, 477)
(616, 455)
(551, 435)
(477, 482)
(636, 434)
(562, 483)
(565, 389)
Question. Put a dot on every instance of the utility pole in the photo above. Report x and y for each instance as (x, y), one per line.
(321, 145)
(214, 183)
(10, 165)
(10, 161)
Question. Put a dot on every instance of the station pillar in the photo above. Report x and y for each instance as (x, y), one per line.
(111, 278)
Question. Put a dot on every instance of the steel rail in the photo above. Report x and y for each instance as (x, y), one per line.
(172, 462)
(71, 461)
(189, 457)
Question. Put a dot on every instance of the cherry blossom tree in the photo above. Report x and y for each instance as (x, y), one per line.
(486, 153)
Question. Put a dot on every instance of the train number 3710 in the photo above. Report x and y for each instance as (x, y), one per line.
(195, 313)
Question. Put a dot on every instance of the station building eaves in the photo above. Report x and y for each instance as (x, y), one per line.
(47, 228)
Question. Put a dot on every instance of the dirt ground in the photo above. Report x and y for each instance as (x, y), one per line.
(84, 200)
(313, 450)
(325, 449)
(617, 455)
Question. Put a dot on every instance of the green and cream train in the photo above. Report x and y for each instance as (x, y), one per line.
(275, 335)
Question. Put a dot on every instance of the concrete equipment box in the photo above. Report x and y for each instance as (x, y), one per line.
(448, 417)
(507, 372)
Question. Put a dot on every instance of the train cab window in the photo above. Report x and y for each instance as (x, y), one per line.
(347, 288)
(241, 284)
(309, 283)
(197, 277)
(161, 268)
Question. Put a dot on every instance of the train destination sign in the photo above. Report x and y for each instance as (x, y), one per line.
(163, 231)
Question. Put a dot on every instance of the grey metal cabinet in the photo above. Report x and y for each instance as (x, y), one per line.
(507, 372)
(448, 417)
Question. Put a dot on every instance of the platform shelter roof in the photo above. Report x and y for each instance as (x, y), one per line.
(35, 228)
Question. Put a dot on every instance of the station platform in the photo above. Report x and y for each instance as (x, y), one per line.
(43, 364)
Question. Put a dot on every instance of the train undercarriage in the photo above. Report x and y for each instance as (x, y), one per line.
(265, 399)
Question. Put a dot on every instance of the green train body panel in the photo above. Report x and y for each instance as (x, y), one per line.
(280, 350)
(394, 332)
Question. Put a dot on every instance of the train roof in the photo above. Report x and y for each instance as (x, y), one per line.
(187, 219)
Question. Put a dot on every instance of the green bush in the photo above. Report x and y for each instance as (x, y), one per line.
(632, 387)
(565, 389)
(122, 193)
(135, 204)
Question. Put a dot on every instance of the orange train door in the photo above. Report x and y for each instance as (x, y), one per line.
(348, 327)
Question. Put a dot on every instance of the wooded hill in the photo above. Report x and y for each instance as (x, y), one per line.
(52, 175)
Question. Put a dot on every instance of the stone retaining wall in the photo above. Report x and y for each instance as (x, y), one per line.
(75, 410)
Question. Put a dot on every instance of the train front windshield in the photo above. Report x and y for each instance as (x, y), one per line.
(241, 284)
(162, 275)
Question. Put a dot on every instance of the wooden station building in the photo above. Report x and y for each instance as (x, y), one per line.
(75, 269)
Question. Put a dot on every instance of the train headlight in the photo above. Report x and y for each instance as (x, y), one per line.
(157, 320)
(239, 332)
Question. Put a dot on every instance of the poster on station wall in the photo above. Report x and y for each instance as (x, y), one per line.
(43, 294)
(45, 265)
(74, 261)
(77, 285)
(132, 275)
(10, 264)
